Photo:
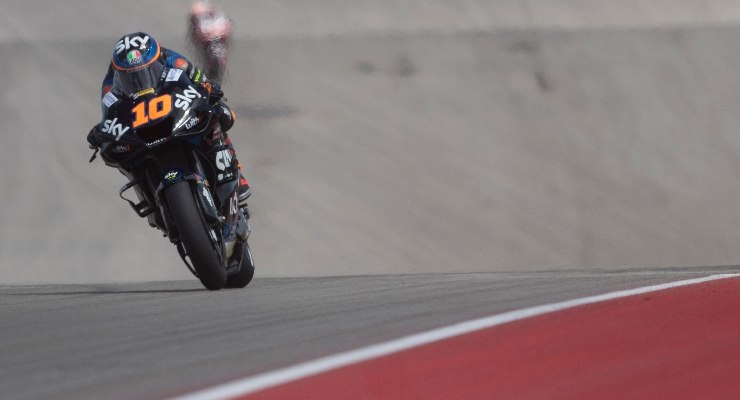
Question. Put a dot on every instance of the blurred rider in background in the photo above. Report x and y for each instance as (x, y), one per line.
(137, 65)
(209, 30)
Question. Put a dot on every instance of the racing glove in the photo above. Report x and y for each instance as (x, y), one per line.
(92, 138)
(216, 94)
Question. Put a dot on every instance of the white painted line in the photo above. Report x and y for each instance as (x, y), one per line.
(265, 380)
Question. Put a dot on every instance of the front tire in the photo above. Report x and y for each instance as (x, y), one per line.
(246, 270)
(195, 235)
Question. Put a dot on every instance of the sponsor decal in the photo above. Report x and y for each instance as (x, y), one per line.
(144, 92)
(185, 99)
(223, 161)
(181, 63)
(192, 122)
(128, 42)
(173, 75)
(171, 176)
(113, 128)
(109, 99)
(122, 148)
(156, 142)
(134, 57)
(233, 205)
(207, 195)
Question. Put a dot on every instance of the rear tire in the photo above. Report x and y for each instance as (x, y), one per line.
(246, 272)
(195, 235)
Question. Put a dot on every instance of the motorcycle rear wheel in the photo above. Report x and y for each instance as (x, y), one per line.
(195, 235)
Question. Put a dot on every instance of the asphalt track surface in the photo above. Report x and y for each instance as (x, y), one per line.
(157, 340)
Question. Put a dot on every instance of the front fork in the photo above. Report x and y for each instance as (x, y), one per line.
(220, 205)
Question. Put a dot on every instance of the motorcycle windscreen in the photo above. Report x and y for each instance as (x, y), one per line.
(137, 82)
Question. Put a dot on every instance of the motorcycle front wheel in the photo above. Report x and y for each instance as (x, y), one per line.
(196, 235)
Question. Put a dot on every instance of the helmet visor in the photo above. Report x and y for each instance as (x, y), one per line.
(134, 82)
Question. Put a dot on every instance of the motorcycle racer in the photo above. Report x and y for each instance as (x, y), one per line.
(136, 68)
(209, 30)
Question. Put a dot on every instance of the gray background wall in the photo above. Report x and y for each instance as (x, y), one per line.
(398, 136)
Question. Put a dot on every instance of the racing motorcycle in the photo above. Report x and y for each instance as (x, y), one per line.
(209, 30)
(155, 138)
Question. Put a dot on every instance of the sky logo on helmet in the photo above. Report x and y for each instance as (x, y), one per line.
(134, 57)
(128, 42)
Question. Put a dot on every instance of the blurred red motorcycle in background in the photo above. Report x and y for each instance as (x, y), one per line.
(209, 30)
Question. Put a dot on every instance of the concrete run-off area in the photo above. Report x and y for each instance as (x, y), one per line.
(398, 136)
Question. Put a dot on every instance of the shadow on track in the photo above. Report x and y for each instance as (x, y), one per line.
(67, 290)
(107, 292)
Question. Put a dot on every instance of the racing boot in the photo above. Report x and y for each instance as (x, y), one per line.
(221, 141)
(229, 167)
(243, 190)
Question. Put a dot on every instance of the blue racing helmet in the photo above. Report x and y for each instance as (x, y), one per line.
(136, 63)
